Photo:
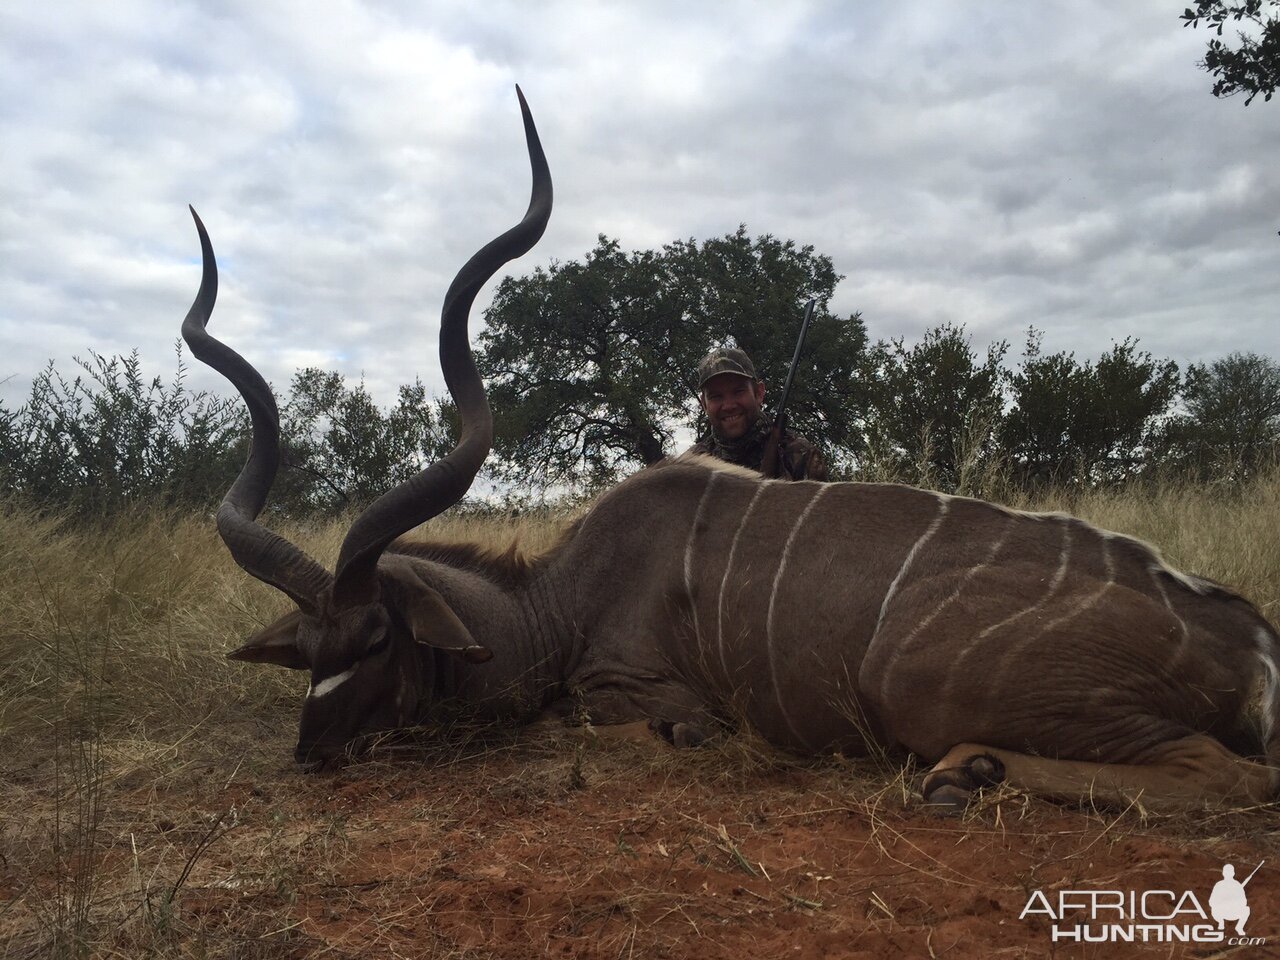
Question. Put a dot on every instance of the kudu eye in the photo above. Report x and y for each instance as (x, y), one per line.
(379, 640)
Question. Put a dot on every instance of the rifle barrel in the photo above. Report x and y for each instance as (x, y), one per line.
(1255, 870)
(795, 359)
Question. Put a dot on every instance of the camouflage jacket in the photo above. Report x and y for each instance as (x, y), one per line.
(798, 459)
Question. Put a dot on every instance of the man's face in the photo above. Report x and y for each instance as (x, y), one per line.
(732, 403)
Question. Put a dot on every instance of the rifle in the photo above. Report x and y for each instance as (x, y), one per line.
(772, 448)
(1250, 876)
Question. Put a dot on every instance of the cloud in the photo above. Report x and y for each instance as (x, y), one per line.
(995, 165)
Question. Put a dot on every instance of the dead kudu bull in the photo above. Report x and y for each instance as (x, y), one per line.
(993, 643)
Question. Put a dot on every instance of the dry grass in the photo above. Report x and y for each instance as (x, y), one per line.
(149, 806)
(114, 695)
(1227, 534)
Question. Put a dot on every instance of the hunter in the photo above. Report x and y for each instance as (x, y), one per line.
(731, 396)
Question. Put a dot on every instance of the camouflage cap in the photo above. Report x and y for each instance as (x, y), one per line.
(725, 360)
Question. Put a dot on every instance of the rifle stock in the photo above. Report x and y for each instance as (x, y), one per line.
(772, 450)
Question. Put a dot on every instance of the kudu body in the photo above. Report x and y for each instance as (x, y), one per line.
(995, 643)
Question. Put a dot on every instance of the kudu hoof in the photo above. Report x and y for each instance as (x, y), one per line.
(948, 791)
(678, 734)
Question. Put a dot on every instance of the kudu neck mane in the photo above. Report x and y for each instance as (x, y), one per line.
(511, 567)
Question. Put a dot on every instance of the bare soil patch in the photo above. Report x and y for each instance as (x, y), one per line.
(574, 844)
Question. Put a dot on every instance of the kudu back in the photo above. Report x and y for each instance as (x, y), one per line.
(995, 644)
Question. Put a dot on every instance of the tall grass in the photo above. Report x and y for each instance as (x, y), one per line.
(114, 688)
(1226, 533)
(113, 677)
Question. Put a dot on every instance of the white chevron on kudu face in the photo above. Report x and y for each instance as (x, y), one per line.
(327, 686)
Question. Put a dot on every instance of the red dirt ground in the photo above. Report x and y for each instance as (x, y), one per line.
(573, 845)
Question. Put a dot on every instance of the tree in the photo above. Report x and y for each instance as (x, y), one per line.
(108, 437)
(341, 450)
(1123, 429)
(935, 406)
(590, 363)
(1253, 66)
(1039, 435)
(1087, 422)
(1231, 427)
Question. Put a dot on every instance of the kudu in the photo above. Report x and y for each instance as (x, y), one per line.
(993, 643)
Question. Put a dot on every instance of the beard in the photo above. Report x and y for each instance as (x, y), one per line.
(744, 449)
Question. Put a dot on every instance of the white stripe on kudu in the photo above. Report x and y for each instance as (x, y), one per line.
(1269, 694)
(330, 684)
(944, 504)
(773, 596)
(1064, 558)
(1110, 565)
(733, 550)
(1155, 570)
(961, 586)
(1016, 646)
(947, 696)
(688, 554)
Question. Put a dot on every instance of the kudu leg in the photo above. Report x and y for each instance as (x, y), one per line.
(610, 697)
(1193, 771)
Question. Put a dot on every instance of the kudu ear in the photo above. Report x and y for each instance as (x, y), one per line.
(434, 624)
(276, 643)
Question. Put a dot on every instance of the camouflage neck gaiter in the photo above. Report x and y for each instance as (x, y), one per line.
(748, 449)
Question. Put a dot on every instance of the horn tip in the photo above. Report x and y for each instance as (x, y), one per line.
(199, 223)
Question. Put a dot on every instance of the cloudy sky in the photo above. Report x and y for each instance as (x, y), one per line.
(994, 165)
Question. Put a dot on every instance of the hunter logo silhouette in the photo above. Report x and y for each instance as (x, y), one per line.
(1228, 900)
